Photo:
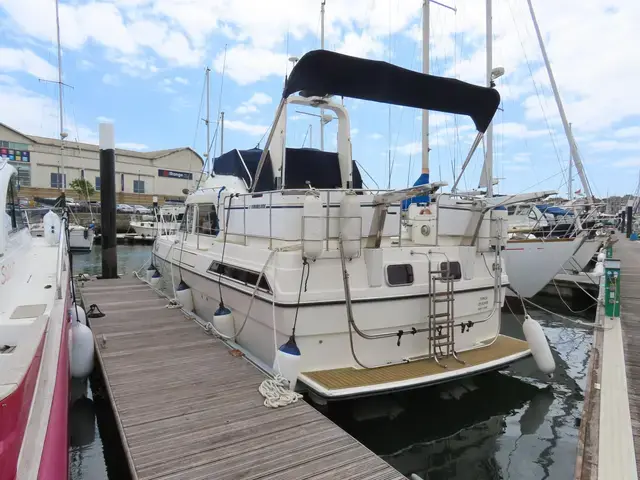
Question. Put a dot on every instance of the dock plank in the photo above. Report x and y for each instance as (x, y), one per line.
(187, 409)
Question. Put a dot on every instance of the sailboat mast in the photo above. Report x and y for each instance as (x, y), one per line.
(425, 69)
(570, 176)
(322, 3)
(575, 155)
(207, 122)
(62, 134)
(488, 164)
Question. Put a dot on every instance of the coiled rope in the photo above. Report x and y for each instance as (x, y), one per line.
(276, 392)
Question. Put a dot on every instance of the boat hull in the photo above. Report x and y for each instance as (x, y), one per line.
(532, 264)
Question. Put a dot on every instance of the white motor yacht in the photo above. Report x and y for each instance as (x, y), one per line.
(283, 250)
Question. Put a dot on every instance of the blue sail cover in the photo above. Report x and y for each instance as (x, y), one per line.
(555, 211)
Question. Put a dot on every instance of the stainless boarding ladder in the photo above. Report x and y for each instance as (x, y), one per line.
(441, 320)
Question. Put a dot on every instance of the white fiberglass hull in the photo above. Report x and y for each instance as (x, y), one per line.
(532, 264)
(579, 260)
(322, 329)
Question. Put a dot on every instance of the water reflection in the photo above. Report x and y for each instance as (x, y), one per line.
(518, 424)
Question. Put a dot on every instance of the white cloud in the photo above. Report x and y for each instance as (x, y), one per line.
(14, 60)
(629, 132)
(111, 79)
(181, 80)
(375, 136)
(363, 45)
(411, 148)
(354, 132)
(248, 65)
(132, 146)
(250, 106)
(627, 162)
(614, 145)
(249, 128)
(19, 105)
(517, 130)
(102, 119)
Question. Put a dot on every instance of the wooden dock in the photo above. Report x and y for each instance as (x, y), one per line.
(187, 408)
(609, 440)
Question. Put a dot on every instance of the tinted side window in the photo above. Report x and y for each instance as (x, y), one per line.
(401, 274)
(453, 269)
(241, 275)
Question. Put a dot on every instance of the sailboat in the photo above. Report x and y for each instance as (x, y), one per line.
(80, 236)
(531, 263)
(34, 342)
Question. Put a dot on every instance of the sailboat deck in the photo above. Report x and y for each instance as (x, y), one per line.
(502, 352)
(187, 408)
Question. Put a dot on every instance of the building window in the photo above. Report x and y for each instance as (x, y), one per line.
(57, 179)
(122, 182)
(97, 184)
(138, 186)
(24, 175)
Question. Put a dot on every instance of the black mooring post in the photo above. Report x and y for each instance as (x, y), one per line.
(629, 221)
(108, 201)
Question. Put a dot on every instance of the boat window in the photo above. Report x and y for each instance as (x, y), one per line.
(511, 210)
(207, 219)
(187, 220)
(454, 270)
(400, 274)
(14, 218)
(241, 275)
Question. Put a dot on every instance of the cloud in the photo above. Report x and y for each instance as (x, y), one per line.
(249, 128)
(629, 132)
(411, 148)
(375, 136)
(614, 145)
(517, 130)
(132, 146)
(354, 132)
(19, 105)
(181, 80)
(102, 119)
(363, 45)
(247, 65)
(628, 162)
(14, 60)
(111, 79)
(251, 105)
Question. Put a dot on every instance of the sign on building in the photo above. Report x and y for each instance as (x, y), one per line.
(174, 174)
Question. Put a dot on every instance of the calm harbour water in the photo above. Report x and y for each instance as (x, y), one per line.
(512, 425)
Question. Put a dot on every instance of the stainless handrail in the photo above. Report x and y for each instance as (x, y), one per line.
(60, 265)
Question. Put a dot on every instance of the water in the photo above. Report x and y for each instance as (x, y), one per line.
(513, 425)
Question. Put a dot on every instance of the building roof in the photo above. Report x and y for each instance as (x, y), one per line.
(54, 142)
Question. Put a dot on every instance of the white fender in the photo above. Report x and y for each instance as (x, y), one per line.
(81, 350)
(539, 346)
(184, 297)
(598, 271)
(81, 316)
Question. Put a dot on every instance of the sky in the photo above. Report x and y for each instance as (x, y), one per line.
(140, 64)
